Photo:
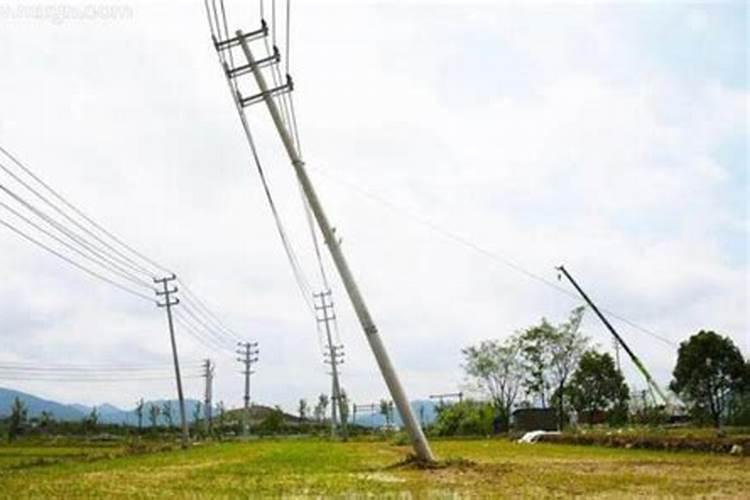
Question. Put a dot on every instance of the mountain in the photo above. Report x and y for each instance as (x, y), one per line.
(424, 410)
(108, 413)
(36, 406)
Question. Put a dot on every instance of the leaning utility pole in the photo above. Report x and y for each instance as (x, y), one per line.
(419, 442)
(248, 352)
(168, 303)
(652, 385)
(334, 356)
(208, 374)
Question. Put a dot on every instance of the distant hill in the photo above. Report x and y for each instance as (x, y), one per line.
(73, 412)
(426, 409)
(258, 413)
(36, 405)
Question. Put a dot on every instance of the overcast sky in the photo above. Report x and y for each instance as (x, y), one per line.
(611, 138)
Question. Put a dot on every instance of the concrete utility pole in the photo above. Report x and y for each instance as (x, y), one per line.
(168, 303)
(248, 352)
(419, 442)
(208, 374)
(334, 356)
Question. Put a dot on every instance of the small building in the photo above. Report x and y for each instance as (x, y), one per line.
(534, 419)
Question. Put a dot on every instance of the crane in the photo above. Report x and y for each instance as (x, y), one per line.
(652, 385)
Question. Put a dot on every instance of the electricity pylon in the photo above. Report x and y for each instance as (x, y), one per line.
(248, 352)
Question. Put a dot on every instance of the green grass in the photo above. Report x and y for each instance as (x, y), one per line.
(320, 469)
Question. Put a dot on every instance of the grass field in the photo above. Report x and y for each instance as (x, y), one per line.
(320, 469)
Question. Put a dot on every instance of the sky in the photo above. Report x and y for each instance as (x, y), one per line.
(446, 140)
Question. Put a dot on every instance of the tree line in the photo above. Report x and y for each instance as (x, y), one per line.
(557, 367)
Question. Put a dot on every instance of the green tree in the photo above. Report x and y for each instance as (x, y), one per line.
(166, 413)
(139, 413)
(344, 406)
(320, 408)
(93, 419)
(465, 418)
(386, 409)
(46, 419)
(273, 423)
(197, 412)
(597, 385)
(222, 410)
(739, 406)
(153, 415)
(536, 357)
(496, 369)
(18, 417)
(709, 370)
(550, 354)
(302, 409)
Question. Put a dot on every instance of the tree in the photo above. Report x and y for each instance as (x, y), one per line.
(496, 368)
(536, 358)
(709, 369)
(550, 354)
(597, 385)
(197, 412)
(273, 423)
(739, 407)
(139, 413)
(464, 418)
(567, 347)
(386, 409)
(18, 417)
(320, 408)
(344, 406)
(92, 419)
(46, 418)
(153, 415)
(166, 412)
(222, 409)
(302, 409)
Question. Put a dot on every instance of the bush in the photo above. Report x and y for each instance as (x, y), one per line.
(466, 418)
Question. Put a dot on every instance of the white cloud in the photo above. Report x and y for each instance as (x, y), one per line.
(540, 133)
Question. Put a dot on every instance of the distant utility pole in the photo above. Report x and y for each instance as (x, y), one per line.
(253, 65)
(168, 303)
(248, 352)
(208, 374)
(334, 356)
(448, 395)
(372, 408)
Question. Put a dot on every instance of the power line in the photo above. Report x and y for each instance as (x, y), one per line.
(74, 263)
(299, 277)
(98, 258)
(199, 335)
(484, 252)
(110, 371)
(80, 213)
(25, 378)
(220, 339)
(90, 366)
(192, 296)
